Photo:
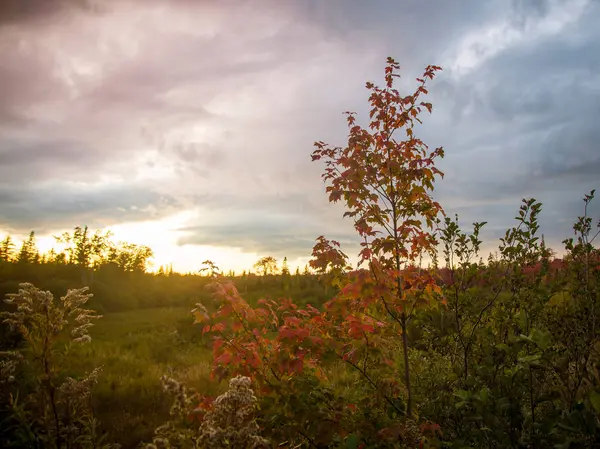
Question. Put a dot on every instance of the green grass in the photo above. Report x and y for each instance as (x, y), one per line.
(135, 349)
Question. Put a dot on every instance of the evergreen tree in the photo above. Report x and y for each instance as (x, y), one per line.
(7, 249)
(29, 252)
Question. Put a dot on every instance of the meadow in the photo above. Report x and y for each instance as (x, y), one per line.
(135, 348)
(138, 339)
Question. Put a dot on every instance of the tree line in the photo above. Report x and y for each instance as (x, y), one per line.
(80, 247)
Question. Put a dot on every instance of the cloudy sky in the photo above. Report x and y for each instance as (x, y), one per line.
(187, 125)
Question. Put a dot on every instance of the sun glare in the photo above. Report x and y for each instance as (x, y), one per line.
(162, 237)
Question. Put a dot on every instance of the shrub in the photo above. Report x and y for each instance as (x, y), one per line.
(228, 422)
(56, 409)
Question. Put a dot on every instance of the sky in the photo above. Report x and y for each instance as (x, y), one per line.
(188, 125)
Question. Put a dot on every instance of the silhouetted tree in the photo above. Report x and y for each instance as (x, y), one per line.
(29, 252)
(266, 265)
(7, 249)
(131, 257)
(85, 250)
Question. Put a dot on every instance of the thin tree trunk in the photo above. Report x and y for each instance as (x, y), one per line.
(406, 367)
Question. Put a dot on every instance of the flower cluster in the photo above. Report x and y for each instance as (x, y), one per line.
(229, 424)
(9, 361)
(38, 316)
(77, 393)
(58, 404)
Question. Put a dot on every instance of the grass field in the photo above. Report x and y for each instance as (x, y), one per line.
(135, 349)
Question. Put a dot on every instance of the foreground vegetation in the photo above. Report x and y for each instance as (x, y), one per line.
(501, 353)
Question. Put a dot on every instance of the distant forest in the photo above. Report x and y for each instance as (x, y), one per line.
(118, 278)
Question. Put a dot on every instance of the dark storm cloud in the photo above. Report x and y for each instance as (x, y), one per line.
(199, 157)
(408, 28)
(26, 11)
(278, 238)
(284, 225)
(23, 80)
(24, 161)
(265, 203)
(64, 206)
(523, 123)
(45, 185)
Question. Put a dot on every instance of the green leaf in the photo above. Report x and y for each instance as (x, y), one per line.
(483, 395)
(529, 359)
(352, 441)
(541, 338)
(525, 338)
(503, 347)
(462, 394)
(521, 318)
(595, 400)
(460, 404)
(549, 397)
